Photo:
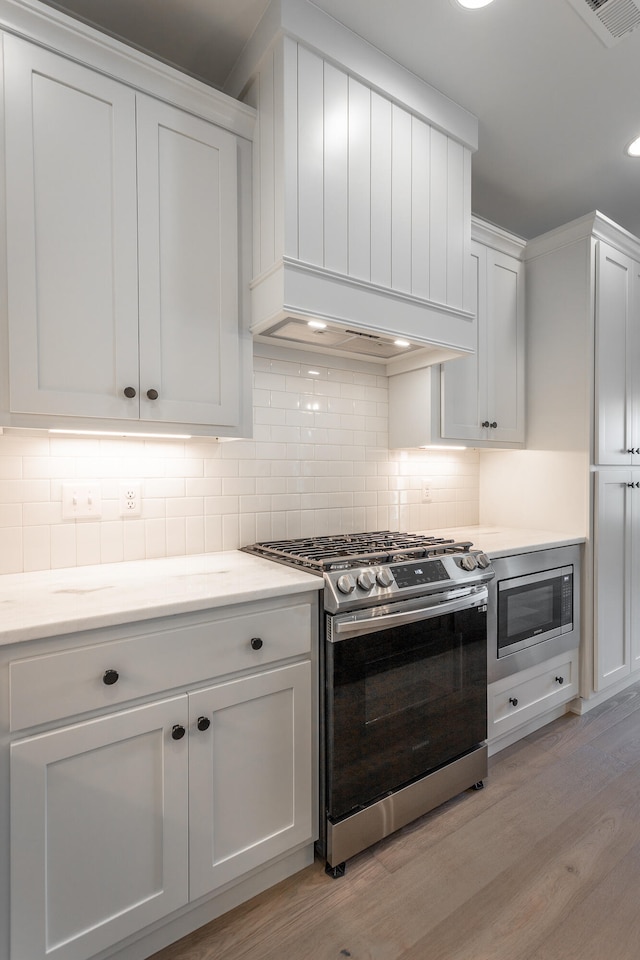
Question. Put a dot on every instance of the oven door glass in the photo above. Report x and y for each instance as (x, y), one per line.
(402, 701)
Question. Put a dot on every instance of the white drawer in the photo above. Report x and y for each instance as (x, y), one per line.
(526, 695)
(68, 682)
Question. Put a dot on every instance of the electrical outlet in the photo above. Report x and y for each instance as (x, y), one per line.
(81, 501)
(426, 491)
(130, 499)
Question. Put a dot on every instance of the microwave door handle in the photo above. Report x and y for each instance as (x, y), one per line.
(356, 628)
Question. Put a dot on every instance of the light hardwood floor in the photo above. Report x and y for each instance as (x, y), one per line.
(543, 864)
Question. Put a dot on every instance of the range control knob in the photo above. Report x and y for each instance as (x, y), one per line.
(483, 561)
(366, 580)
(346, 583)
(468, 562)
(384, 577)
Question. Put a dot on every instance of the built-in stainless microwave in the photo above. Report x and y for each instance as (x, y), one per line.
(533, 608)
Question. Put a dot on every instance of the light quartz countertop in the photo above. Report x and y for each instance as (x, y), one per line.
(53, 602)
(508, 541)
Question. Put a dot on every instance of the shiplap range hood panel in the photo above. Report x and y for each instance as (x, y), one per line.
(362, 195)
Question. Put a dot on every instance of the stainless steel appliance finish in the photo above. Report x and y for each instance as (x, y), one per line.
(403, 678)
(534, 609)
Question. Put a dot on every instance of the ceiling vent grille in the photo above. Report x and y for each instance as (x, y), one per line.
(610, 20)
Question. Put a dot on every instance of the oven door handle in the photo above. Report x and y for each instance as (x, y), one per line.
(343, 630)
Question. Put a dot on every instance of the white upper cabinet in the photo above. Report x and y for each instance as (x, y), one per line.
(483, 395)
(188, 267)
(362, 191)
(125, 254)
(477, 399)
(71, 236)
(617, 357)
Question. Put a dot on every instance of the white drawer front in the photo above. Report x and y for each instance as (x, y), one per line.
(62, 684)
(526, 695)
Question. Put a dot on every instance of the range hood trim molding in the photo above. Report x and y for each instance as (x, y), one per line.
(305, 23)
(347, 303)
(359, 306)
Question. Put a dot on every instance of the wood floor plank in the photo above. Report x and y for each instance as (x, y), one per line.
(531, 899)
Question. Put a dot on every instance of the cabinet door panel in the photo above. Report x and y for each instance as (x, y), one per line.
(613, 321)
(505, 356)
(633, 495)
(98, 831)
(188, 242)
(611, 594)
(250, 774)
(71, 228)
(463, 389)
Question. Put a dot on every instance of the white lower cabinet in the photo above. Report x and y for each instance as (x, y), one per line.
(120, 820)
(529, 694)
(250, 774)
(98, 831)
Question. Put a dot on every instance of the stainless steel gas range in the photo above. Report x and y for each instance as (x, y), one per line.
(403, 671)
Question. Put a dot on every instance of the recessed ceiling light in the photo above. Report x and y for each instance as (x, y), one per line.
(633, 149)
(316, 325)
(474, 4)
(402, 343)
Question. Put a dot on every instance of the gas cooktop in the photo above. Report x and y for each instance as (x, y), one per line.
(382, 567)
(351, 550)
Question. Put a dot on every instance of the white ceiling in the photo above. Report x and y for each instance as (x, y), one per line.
(555, 105)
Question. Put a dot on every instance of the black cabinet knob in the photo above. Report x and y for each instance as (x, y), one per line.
(129, 392)
(203, 723)
(152, 394)
(110, 677)
(485, 423)
(256, 643)
(178, 731)
(560, 680)
(493, 425)
(514, 701)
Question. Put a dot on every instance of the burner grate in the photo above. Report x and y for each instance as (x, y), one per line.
(362, 549)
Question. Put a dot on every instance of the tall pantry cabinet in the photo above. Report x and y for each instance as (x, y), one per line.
(583, 356)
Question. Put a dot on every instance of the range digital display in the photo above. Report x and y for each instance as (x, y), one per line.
(420, 571)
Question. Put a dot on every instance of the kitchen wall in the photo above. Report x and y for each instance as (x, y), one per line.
(318, 463)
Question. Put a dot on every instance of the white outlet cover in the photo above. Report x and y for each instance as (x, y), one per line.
(130, 498)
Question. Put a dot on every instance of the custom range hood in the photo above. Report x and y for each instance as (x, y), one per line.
(362, 196)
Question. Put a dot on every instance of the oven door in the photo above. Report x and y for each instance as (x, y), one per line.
(406, 692)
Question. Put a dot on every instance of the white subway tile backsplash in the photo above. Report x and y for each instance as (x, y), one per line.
(318, 463)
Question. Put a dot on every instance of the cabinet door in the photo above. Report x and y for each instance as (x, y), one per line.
(612, 576)
(463, 380)
(615, 275)
(188, 249)
(71, 236)
(633, 496)
(505, 348)
(250, 774)
(98, 831)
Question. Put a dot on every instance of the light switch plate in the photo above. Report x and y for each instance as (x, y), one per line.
(81, 501)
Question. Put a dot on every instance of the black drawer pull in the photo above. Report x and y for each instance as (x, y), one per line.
(514, 701)
(110, 677)
(560, 680)
(129, 392)
(256, 643)
(178, 731)
(203, 723)
(152, 394)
